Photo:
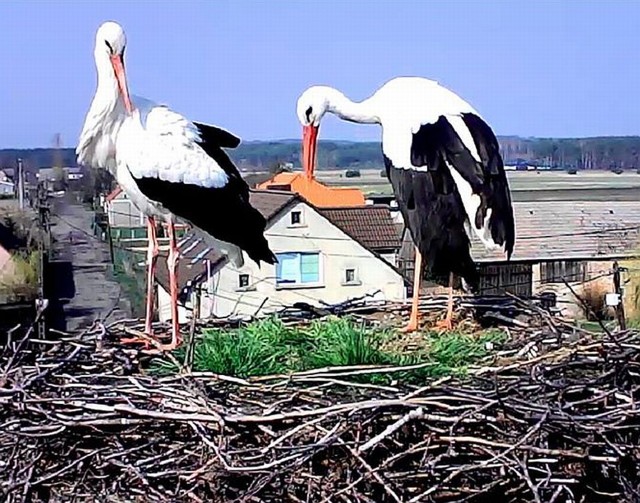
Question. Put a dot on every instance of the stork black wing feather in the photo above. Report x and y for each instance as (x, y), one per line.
(225, 212)
(217, 136)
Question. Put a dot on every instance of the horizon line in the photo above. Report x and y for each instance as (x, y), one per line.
(337, 140)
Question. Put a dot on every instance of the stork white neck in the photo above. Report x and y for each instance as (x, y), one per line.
(317, 100)
(111, 101)
(107, 95)
(361, 112)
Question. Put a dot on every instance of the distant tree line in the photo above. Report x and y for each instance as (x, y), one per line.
(563, 153)
(577, 153)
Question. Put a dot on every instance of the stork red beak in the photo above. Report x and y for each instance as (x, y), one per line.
(118, 68)
(309, 141)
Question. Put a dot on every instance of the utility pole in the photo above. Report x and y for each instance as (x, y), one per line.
(110, 238)
(42, 205)
(20, 184)
(622, 322)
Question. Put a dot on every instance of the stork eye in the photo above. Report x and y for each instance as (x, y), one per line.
(109, 46)
(308, 114)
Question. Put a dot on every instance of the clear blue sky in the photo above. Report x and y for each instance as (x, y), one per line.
(532, 68)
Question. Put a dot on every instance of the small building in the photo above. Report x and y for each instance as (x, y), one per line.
(255, 178)
(388, 200)
(316, 193)
(324, 256)
(7, 174)
(7, 188)
(576, 241)
(70, 173)
(74, 173)
(126, 221)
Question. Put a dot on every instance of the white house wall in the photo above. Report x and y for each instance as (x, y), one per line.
(338, 252)
(164, 307)
(122, 213)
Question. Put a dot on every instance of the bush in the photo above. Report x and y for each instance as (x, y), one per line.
(352, 173)
(593, 295)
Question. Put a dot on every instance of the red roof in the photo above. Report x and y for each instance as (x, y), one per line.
(370, 225)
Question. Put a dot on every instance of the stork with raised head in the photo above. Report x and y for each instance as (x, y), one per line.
(444, 165)
(169, 167)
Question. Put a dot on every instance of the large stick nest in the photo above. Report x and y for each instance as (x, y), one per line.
(81, 418)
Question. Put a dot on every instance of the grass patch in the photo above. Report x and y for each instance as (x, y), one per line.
(268, 347)
(19, 276)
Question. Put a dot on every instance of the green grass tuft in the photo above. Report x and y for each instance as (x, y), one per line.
(340, 342)
(268, 347)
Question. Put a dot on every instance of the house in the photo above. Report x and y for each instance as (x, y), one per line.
(316, 193)
(324, 256)
(7, 188)
(574, 240)
(255, 178)
(388, 200)
(125, 220)
(74, 173)
(7, 173)
(370, 225)
(70, 173)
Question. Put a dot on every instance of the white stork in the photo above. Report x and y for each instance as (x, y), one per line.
(168, 166)
(445, 168)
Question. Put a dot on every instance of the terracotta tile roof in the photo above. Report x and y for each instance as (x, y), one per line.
(271, 202)
(556, 230)
(315, 192)
(370, 225)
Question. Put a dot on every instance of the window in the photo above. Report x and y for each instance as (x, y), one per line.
(243, 280)
(350, 276)
(553, 271)
(296, 217)
(297, 269)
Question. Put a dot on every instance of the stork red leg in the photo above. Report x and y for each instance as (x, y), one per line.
(417, 279)
(447, 323)
(172, 262)
(152, 258)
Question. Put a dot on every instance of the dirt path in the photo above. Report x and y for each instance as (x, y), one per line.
(87, 288)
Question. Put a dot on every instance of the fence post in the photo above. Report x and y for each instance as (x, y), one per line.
(622, 322)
